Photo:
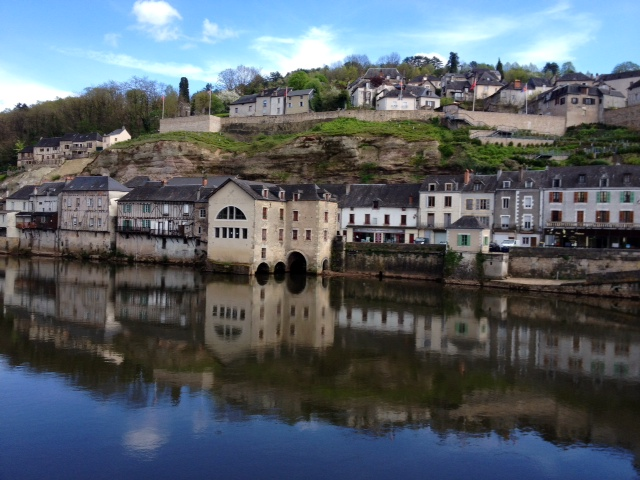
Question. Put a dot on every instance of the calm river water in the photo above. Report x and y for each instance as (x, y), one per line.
(161, 372)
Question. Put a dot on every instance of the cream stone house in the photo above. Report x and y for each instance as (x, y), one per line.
(272, 102)
(119, 135)
(265, 227)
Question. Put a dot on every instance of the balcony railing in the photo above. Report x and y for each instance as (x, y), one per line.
(178, 231)
(594, 225)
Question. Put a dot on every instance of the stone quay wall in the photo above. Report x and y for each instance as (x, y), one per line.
(540, 124)
(624, 117)
(196, 123)
(570, 264)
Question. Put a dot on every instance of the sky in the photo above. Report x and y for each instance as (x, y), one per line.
(57, 49)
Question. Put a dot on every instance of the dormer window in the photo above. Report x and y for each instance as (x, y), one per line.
(296, 197)
(477, 187)
(528, 184)
(604, 182)
(557, 183)
(506, 184)
(448, 187)
(626, 178)
(281, 194)
(582, 178)
(376, 204)
(265, 192)
(432, 187)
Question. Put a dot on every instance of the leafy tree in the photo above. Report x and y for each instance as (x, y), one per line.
(275, 78)
(183, 89)
(297, 80)
(550, 68)
(625, 67)
(567, 67)
(499, 67)
(453, 63)
(517, 74)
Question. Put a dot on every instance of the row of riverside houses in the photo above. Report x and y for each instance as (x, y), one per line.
(245, 226)
(236, 225)
(56, 150)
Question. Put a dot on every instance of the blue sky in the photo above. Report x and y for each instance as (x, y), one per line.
(51, 49)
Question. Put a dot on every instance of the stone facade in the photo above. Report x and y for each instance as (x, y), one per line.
(197, 123)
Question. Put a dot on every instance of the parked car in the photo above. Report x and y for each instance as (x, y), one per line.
(421, 241)
(494, 247)
(507, 244)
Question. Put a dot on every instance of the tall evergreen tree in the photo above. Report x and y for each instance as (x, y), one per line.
(453, 63)
(183, 89)
(500, 68)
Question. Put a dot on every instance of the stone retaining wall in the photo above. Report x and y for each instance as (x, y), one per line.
(624, 117)
(570, 263)
(196, 123)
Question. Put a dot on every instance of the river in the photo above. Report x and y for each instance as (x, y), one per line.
(165, 372)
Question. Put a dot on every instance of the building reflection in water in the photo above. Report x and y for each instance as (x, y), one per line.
(245, 315)
(394, 353)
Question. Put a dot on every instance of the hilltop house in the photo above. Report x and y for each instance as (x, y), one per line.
(272, 102)
(366, 89)
(119, 135)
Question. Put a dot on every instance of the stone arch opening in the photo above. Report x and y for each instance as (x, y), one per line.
(280, 268)
(296, 263)
(262, 269)
(325, 265)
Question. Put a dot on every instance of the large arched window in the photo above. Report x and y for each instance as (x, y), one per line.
(231, 213)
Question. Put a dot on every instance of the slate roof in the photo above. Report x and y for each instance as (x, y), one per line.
(519, 179)
(254, 189)
(212, 181)
(49, 188)
(619, 76)
(23, 193)
(395, 93)
(27, 149)
(245, 99)
(157, 192)
(467, 222)
(373, 72)
(49, 142)
(456, 180)
(308, 192)
(458, 85)
(98, 184)
(337, 190)
(488, 184)
(391, 196)
(570, 176)
(575, 77)
(634, 85)
(116, 132)
(539, 82)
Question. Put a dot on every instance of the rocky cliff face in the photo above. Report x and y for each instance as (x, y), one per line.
(318, 159)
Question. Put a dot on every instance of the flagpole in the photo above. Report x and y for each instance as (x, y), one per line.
(209, 102)
(162, 106)
(475, 86)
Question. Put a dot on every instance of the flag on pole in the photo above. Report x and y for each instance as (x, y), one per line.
(473, 85)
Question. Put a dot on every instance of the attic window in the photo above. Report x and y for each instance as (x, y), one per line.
(265, 192)
(296, 197)
(528, 184)
(432, 187)
(582, 178)
(376, 204)
(626, 178)
(556, 183)
(281, 194)
(448, 187)
(506, 184)
(477, 187)
(604, 182)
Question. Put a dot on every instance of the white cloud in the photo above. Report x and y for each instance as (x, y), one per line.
(20, 90)
(156, 18)
(313, 49)
(212, 33)
(111, 39)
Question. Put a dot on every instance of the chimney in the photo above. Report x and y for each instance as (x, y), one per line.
(521, 173)
(205, 180)
(68, 179)
(467, 176)
(516, 84)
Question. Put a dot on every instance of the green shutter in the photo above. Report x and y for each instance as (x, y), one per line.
(460, 244)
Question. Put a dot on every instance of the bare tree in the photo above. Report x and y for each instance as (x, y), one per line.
(238, 78)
